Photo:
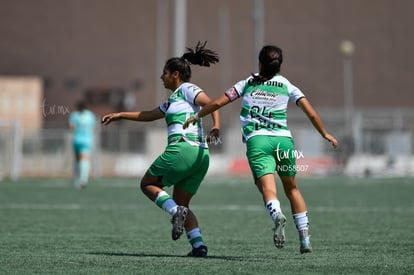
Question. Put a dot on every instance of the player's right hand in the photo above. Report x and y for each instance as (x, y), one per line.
(106, 119)
(332, 140)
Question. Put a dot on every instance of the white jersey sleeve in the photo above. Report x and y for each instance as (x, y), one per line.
(295, 93)
(190, 92)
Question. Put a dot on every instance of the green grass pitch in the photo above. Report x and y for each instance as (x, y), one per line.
(358, 226)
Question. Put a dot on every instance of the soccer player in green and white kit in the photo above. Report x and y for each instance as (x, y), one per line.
(185, 161)
(269, 143)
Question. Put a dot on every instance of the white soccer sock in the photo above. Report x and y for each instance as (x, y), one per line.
(165, 202)
(301, 221)
(195, 237)
(273, 208)
(84, 166)
(76, 172)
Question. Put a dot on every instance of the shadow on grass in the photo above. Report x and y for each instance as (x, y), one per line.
(121, 254)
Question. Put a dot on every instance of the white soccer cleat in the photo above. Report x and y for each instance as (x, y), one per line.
(279, 231)
(305, 245)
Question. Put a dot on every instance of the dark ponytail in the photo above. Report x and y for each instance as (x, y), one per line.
(198, 56)
(201, 56)
(270, 58)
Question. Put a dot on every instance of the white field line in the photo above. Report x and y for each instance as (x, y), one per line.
(229, 207)
(35, 206)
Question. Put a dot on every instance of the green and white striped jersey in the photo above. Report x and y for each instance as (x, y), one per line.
(178, 108)
(264, 105)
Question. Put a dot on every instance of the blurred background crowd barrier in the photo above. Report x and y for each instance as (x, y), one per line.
(378, 146)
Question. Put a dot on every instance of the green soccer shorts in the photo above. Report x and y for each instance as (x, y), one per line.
(270, 154)
(181, 165)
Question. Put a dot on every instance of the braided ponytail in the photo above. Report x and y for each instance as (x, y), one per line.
(198, 56)
(201, 56)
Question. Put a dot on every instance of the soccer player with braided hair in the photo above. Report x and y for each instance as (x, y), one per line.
(269, 143)
(185, 161)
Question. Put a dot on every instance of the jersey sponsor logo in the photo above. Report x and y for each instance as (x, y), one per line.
(232, 94)
(253, 82)
(260, 94)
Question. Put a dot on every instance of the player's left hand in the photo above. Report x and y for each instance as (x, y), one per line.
(188, 121)
(214, 136)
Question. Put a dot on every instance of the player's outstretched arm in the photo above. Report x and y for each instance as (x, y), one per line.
(137, 116)
(208, 108)
(316, 120)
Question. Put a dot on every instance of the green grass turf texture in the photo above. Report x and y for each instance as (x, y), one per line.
(358, 226)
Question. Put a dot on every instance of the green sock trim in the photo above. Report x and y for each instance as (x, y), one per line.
(196, 239)
(161, 200)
